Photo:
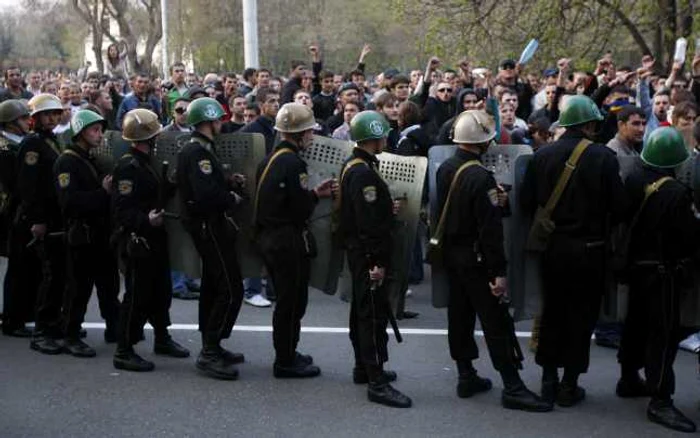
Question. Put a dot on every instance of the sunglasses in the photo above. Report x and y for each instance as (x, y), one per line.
(445, 90)
(180, 110)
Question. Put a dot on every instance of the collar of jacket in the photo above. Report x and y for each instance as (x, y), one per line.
(358, 152)
(288, 145)
(14, 138)
(203, 140)
(80, 151)
(467, 155)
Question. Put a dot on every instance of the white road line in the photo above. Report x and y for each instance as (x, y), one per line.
(322, 330)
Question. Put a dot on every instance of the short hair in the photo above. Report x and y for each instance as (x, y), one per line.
(234, 97)
(505, 91)
(325, 74)
(628, 111)
(357, 73)
(410, 113)
(248, 73)
(384, 100)
(253, 107)
(299, 91)
(46, 84)
(663, 92)
(94, 95)
(296, 63)
(357, 104)
(683, 109)
(260, 70)
(449, 70)
(231, 75)
(263, 94)
(176, 64)
(399, 79)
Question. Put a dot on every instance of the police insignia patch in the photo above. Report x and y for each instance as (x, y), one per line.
(64, 180)
(205, 166)
(370, 193)
(31, 158)
(304, 181)
(125, 186)
(493, 196)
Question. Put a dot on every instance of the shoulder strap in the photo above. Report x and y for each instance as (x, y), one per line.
(649, 190)
(86, 162)
(262, 179)
(440, 230)
(565, 176)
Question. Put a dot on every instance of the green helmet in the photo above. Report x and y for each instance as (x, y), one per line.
(82, 119)
(204, 109)
(368, 125)
(665, 148)
(12, 109)
(579, 110)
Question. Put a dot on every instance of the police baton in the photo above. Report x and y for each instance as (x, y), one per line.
(164, 191)
(373, 286)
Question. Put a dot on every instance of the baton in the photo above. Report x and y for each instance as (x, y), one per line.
(374, 284)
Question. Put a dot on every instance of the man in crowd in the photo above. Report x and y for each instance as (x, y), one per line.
(13, 84)
(141, 98)
(177, 76)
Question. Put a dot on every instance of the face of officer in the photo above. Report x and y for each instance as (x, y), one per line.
(92, 135)
(306, 139)
(48, 120)
(632, 130)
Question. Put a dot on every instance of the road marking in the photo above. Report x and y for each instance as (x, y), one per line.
(322, 330)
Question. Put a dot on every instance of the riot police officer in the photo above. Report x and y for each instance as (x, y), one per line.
(84, 197)
(38, 223)
(471, 207)
(137, 195)
(209, 199)
(574, 249)
(664, 236)
(18, 304)
(284, 204)
(366, 221)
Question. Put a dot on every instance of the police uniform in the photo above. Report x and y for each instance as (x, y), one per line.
(208, 199)
(573, 265)
(474, 256)
(284, 205)
(143, 249)
(18, 304)
(38, 204)
(366, 223)
(86, 213)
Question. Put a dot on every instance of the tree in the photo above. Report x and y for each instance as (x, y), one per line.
(136, 20)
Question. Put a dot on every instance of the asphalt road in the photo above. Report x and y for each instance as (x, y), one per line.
(62, 396)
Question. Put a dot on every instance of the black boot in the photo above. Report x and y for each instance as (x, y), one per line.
(45, 344)
(299, 367)
(17, 332)
(516, 396)
(76, 347)
(570, 395)
(212, 363)
(663, 412)
(380, 391)
(232, 357)
(166, 346)
(360, 377)
(469, 381)
(631, 385)
(550, 384)
(126, 359)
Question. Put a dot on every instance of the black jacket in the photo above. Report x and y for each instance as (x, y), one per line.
(473, 236)
(265, 126)
(284, 197)
(593, 200)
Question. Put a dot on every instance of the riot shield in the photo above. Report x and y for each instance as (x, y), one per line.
(406, 178)
(325, 160)
(689, 174)
(508, 162)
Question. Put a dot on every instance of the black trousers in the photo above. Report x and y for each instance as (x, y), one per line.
(470, 295)
(221, 295)
(652, 329)
(368, 314)
(90, 265)
(21, 280)
(51, 252)
(285, 256)
(573, 274)
(148, 293)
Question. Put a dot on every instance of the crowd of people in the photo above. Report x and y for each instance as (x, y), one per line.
(56, 203)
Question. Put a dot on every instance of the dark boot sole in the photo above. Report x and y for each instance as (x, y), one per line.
(216, 375)
(171, 354)
(384, 402)
(292, 375)
(126, 367)
(50, 352)
(660, 422)
(470, 393)
(80, 355)
(527, 408)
